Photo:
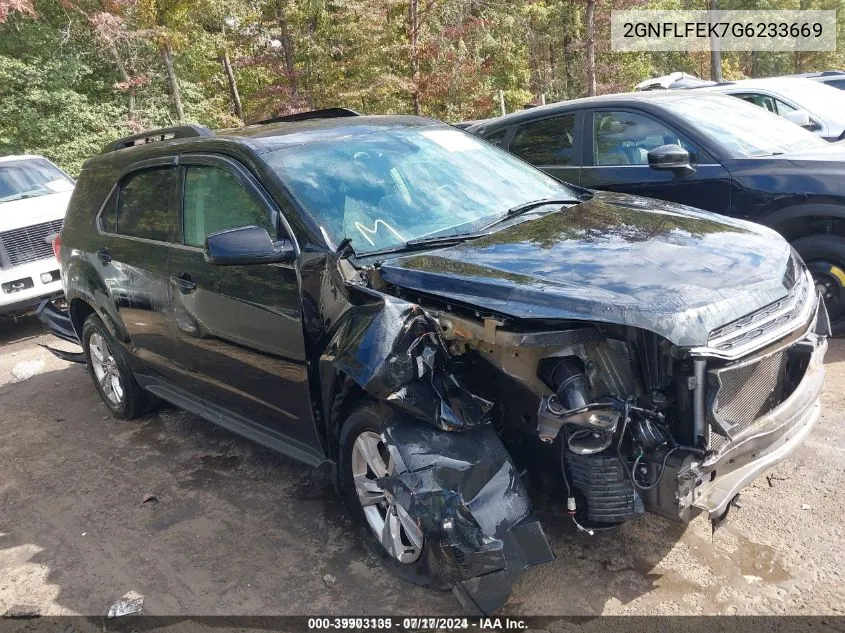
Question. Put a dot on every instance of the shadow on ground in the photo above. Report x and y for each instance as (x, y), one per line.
(227, 527)
(19, 330)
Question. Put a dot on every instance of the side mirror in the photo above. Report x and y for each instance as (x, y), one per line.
(798, 117)
(245, 246)
(670, 158)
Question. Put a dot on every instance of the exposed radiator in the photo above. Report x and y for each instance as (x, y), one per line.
(747, 392)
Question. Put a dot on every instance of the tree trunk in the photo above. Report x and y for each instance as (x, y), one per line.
(715, 52)
(414, 38)
(566, 65)
(172, 82)
(126, 79)
(233, 86)
(591, 48)
(288, 49)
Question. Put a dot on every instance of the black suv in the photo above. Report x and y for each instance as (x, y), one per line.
(441, 324)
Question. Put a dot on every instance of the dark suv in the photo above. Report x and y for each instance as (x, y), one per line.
(441, 324)
(707, 150)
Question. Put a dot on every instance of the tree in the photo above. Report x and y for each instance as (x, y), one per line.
(715, 52)
(591, 47)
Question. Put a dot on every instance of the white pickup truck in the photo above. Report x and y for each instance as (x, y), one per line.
(34, 194)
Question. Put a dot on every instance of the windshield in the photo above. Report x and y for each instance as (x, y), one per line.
(31, 177)
(385, 188)
(742, 129)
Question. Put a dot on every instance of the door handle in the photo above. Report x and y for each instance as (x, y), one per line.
(104, 256)
(184, 283)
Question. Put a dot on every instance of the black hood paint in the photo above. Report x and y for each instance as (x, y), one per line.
(667, 268)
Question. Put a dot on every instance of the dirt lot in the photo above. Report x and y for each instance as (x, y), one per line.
(236, 529)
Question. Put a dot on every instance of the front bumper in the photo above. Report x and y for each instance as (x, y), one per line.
(772, 437)
(33, 289)
(58, 322)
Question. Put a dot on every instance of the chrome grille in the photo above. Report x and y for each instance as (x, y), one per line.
(755, 326)
(28, 244)
(744, 393)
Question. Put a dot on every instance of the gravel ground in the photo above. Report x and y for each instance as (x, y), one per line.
(231, 528)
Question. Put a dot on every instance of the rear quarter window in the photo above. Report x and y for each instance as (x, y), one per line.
(144, 207)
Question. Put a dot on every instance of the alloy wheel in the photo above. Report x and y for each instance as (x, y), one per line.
(105, 368)
(396, 530)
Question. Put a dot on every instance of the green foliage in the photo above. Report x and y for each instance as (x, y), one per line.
(75, 74)
(55, 105)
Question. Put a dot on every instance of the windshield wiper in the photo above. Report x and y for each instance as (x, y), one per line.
(441, 239)
(22, 196)
(529, 206)
(446, 240)
(422, 243)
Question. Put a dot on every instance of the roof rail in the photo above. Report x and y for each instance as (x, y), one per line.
(163, 134)
(327, 113)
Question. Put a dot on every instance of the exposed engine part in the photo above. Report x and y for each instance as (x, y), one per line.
(699, 420)
(571, 504)
(588, 441)
(551, 416)
(648, 434)
(572, 511)
(605, 484)
(572, 404)
(568, 380)
(635, 472)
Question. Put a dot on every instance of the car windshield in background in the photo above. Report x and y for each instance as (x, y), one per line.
(29, 178)
(742, 129)
(384, 189)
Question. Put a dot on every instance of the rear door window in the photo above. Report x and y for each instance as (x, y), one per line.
(145, 206)
(547, 143)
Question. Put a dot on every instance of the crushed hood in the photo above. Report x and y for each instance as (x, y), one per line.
(667, 268)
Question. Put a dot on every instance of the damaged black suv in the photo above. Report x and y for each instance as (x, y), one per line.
(442, 326)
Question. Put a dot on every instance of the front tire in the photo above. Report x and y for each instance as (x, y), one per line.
(825, 258)
(390, 533)
(111, 373)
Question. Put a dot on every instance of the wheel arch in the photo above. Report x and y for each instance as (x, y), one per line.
(797, 221)
(86, 293)
(341, 396)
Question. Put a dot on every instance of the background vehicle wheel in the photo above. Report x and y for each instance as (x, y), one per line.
(111, 373)
(825, 257)
(388, 530)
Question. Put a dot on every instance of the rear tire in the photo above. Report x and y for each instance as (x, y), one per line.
(419, 565)
(110, 371)
(825, 257)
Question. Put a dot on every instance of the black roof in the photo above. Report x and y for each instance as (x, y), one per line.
(256, 139)
(275, 135)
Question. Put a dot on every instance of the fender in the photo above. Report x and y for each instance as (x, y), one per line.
(467, 496)
(777, 219)
(392, 350)
(91, 289)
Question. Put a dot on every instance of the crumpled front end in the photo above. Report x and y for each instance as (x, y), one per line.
(466, 494)
(452, 474)
(759, 405)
